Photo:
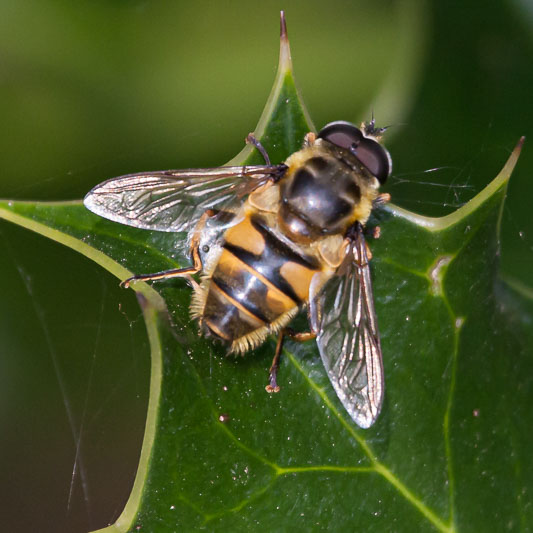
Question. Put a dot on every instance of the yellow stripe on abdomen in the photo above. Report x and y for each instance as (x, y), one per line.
(258, 280)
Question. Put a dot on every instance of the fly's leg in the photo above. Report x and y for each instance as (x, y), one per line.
(299, 337)
(250, 139)
(185, 272)
(272, 373)
(172, 273)
(374, 232)
(381, 199)
(279, 171)
(309, 139)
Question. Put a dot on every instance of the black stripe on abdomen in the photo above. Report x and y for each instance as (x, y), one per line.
(268, 270)
(244, 297)
(275, 254)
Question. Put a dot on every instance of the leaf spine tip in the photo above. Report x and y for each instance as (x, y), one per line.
(283, 26)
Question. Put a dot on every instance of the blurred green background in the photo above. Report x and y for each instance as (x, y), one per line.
(91, 90)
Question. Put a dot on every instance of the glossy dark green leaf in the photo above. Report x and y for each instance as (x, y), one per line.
(450, 450)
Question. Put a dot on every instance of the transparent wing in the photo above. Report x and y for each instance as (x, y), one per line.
(348, 338)
(174, 200)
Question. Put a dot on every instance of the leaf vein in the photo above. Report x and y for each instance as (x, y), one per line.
(376, 464)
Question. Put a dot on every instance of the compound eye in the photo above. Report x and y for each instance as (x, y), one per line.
(374, 157)
(368, 151)
(342, 134)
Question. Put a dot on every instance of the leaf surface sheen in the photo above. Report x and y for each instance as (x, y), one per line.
(450, 450)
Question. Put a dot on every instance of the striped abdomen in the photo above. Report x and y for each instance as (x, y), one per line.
(257, 285)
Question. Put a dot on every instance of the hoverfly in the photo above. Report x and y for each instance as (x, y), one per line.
(270, 240)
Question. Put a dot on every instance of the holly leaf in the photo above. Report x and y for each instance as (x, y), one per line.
(450, 450)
